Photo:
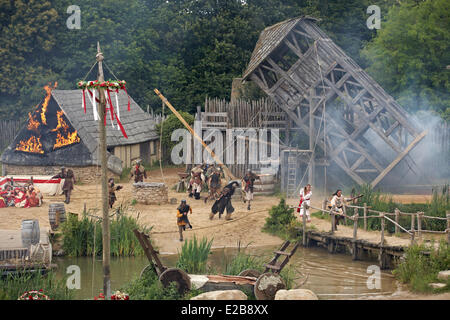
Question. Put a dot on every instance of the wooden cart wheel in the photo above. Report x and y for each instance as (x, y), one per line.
(267, 286)
(147, 268)
(250, 273)
(178, 276)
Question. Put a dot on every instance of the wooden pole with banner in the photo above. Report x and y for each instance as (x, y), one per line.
(104, 179)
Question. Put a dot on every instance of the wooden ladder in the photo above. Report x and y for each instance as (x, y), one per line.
(291, 174)
(273, 266)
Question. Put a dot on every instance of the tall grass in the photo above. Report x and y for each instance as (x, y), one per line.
(194, 255)
(14, 285)
(79, 235)
(418, 270)
(378, 201)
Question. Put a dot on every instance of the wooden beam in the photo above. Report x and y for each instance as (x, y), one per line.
(399, 157)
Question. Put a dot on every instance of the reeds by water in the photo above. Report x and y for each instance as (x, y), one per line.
(83, 237)
(194, 255)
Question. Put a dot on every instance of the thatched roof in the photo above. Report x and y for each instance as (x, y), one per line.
(268, 41)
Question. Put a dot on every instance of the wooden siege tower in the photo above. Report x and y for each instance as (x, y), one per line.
(327, 96)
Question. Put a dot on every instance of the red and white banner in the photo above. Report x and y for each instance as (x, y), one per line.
(45, 184)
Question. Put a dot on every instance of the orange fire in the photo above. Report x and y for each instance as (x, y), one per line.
(32, 145)
(48, 89)
(61, 123)
(62, 141)
(33, 124)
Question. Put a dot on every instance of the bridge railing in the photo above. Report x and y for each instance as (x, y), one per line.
(419, 216)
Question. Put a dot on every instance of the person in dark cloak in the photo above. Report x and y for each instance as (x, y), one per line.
(224, 201)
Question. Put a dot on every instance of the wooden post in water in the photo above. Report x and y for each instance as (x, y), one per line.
(365, 216)
(304, 227)
(382, 228)
(397, 217)
(448, 226)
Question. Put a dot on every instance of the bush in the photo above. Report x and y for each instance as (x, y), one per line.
(282, 222)
(418, 270)
(194, 255)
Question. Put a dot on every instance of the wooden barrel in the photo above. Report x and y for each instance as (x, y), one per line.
(30, 232)
(56, 214)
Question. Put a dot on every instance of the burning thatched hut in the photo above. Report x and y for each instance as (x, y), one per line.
(59, 133)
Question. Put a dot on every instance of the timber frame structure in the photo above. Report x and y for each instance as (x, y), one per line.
(325, 94)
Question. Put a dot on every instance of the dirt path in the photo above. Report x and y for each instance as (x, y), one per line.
(245, 228)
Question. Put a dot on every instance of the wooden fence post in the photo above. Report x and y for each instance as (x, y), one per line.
(332, 219)
(382, 256)
(412, 228)
(397, 217)
(365, 216)
(448, 226)
(344, 209)
(355, 223)
(419, 224)
(355, 230)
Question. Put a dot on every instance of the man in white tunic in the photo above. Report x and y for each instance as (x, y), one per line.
(305, 202)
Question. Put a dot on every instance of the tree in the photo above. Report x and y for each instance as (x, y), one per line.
(410, 53)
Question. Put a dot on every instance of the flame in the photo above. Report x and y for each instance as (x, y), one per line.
(62, 141)
(61, 123)
(33, 124)
(32, 145)
(48, 89)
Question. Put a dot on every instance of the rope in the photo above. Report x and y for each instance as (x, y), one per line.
(90, 70)
(110, 71)
(217, 225)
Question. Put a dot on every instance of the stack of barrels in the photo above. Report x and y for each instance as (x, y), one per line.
(265, 185)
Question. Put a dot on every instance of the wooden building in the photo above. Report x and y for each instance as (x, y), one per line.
(355, 124)
(82, 154)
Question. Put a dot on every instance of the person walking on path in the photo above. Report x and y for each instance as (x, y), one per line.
(182, 217)
(69, 181)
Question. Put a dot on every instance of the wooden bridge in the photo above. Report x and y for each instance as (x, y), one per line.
(387, 252)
